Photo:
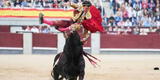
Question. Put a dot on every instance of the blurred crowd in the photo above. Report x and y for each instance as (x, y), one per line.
(132, 30)
(117, 13)
(132, 13)
(38, 29)
(32, 3)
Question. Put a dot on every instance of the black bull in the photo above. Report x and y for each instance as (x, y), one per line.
(71, 63)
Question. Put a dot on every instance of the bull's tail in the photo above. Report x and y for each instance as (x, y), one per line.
(93, 56)
(94, 63)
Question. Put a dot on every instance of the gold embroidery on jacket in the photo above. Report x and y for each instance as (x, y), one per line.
(81, 15)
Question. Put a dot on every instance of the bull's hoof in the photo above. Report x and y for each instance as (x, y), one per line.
(41, 18)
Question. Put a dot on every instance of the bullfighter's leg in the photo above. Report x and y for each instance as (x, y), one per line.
(55, 23)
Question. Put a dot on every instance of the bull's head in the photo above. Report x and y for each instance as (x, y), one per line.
(73, 44)
(74, 38)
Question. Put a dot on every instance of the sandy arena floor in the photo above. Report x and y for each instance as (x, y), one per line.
(112, 67)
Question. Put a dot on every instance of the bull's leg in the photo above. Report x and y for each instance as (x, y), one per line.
(82, 73)
(55, 73)
(82, 67)
(73, 78)
(61, 78)
(81, 76)
(56, 58)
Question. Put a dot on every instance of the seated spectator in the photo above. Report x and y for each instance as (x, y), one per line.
(107, 9)
(128, 30)
(127, 23)
(110, 31)
(30, 3)
(121, 29)
(121, 23)
(154, 24)
(136, 31)
(146, 23)
(7, 4)
(152, 5)
(145, 12)
(117, 19)
(145, 4)
(116, 31)
(34, 29)
(119, 12)
(46, 30)
(28, 28)
(157, 29)
(158, 23)
(151, 29)
(55, 4)
(24, 3)
(144, 19)
(132, 13)
(133, 20)
(137, 5)
(1, 3)
(17, 3)
(40, 28)
(129, 10)
(111, 21)
(125, 15)
(120, 2)
(38, 4)
(61, 4)
(157, 14)
(142, 32)
(105, 20)
(139, 13)
(140, 20)
(116, 6)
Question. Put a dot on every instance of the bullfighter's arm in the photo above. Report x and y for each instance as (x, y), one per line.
(73, 5)
(65, 35)
(86, 35)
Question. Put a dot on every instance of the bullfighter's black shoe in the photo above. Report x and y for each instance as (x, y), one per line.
(41, 18)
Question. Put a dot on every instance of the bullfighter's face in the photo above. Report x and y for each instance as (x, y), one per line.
(85, 8)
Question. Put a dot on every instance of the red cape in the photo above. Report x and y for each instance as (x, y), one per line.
(95, 23)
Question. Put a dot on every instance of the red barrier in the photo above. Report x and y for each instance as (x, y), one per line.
(107, 41)
(44, 40)
(4, 28)
(130, 41)
(88, 43)
(11, 40)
